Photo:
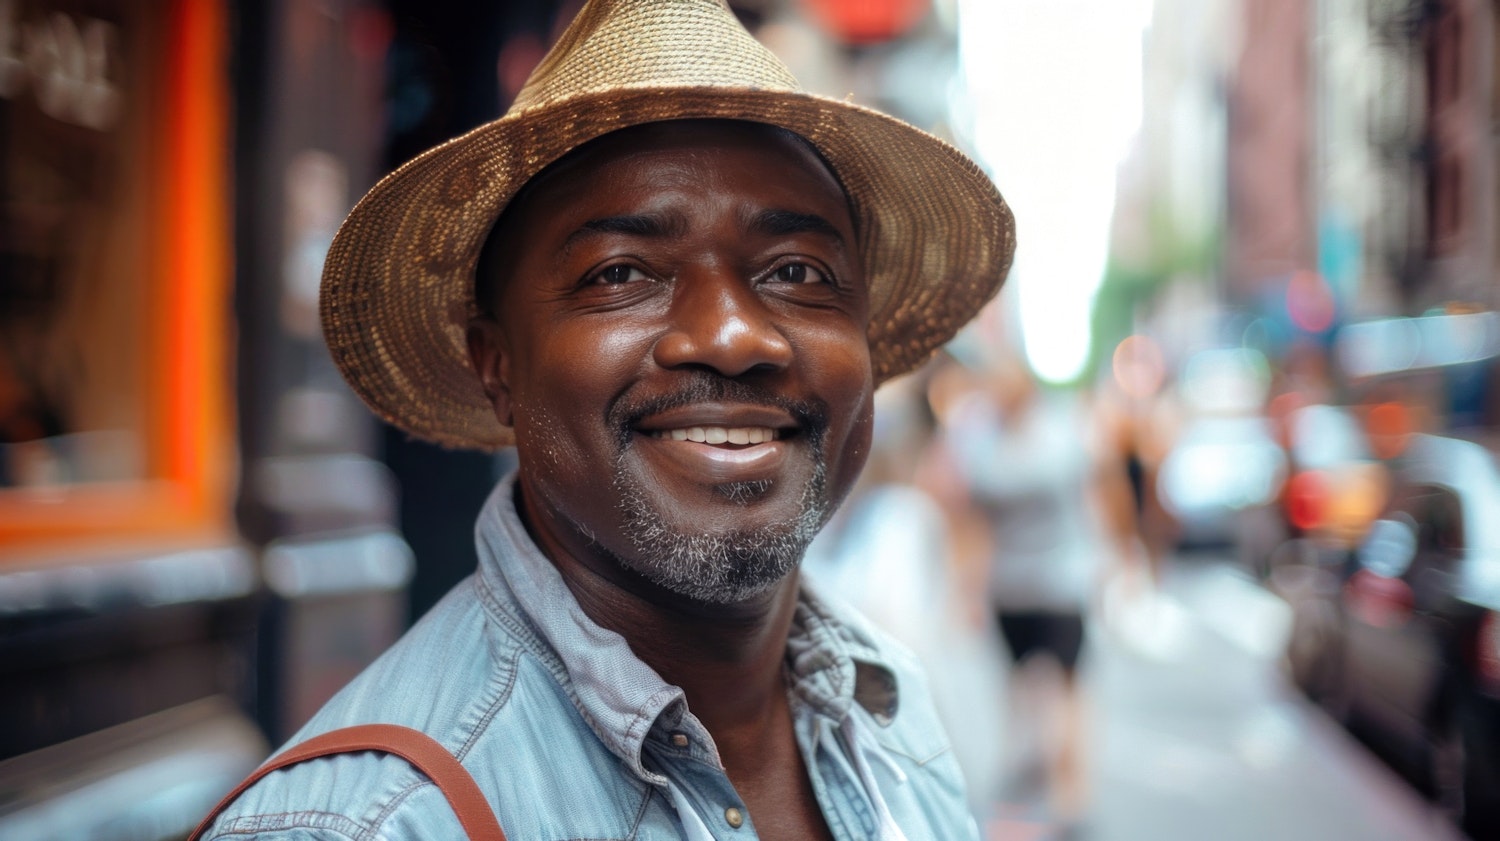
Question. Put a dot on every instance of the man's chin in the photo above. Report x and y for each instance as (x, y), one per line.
(721, 569)
(726, 554)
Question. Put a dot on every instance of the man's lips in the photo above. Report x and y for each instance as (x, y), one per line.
(722, 442)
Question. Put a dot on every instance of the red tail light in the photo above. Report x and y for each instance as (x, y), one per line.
(1307, 499)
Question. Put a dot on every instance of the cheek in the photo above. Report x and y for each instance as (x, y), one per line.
(836, 355)
(841, 365)
(846, 464)
(565, 451)
(564, 383)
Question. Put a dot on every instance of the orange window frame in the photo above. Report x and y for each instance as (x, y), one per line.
(189, 464)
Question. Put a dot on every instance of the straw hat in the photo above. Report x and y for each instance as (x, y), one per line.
(936, 237)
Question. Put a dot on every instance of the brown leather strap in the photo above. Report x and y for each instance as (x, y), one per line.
(414, 746)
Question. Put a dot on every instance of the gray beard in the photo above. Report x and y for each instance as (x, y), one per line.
(721, 568)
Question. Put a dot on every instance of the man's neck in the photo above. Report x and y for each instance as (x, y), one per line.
(726, 658)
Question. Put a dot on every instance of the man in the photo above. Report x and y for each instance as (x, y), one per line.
(673, 282)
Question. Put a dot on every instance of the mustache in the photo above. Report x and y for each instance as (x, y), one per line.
(628, 410)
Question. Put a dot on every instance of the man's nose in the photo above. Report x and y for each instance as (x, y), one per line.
(718, 321)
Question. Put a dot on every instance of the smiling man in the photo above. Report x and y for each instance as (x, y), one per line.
(698, 288)
(672, 281)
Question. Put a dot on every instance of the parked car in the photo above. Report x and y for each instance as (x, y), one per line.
(1400, 638)
(1334, 489)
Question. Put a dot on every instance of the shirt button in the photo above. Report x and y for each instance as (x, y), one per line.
(735, 817)
(680, 740)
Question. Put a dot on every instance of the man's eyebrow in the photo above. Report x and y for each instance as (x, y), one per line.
(785, 222)
(650, 225)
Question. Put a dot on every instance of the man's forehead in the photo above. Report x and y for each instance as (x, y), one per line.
(692, 139)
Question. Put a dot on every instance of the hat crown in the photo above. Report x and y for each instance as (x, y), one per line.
(615, 44)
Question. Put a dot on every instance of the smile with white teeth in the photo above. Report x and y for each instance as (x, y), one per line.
(720, 434)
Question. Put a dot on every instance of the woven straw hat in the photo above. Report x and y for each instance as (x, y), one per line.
(936, 237)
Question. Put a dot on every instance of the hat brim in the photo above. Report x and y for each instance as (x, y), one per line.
(936, 237)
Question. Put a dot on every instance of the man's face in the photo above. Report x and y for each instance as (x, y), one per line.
(681, 351)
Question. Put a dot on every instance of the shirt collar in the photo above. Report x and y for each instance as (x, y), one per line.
(835, 662)
(832, 661)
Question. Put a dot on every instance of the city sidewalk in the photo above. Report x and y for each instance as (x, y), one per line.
(1196, 736)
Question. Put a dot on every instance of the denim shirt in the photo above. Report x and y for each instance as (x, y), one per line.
(571, 736)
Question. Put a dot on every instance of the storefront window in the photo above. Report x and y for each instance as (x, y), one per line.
(112, 247)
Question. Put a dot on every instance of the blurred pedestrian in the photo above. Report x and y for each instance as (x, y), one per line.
(1132, 443)
(1029, 466)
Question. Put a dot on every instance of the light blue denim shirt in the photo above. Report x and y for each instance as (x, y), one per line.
(571, 736)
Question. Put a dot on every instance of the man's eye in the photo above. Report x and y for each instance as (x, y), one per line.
(619, 274)
(798, 273)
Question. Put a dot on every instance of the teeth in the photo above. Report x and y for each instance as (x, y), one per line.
(720, 434)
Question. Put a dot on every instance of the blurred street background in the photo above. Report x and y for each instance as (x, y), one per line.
(1196, 528)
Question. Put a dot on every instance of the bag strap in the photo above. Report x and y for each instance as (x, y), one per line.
(414, 746)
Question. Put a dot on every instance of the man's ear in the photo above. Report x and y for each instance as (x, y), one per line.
(489, 355)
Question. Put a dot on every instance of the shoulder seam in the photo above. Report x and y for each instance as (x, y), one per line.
(506, 672)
